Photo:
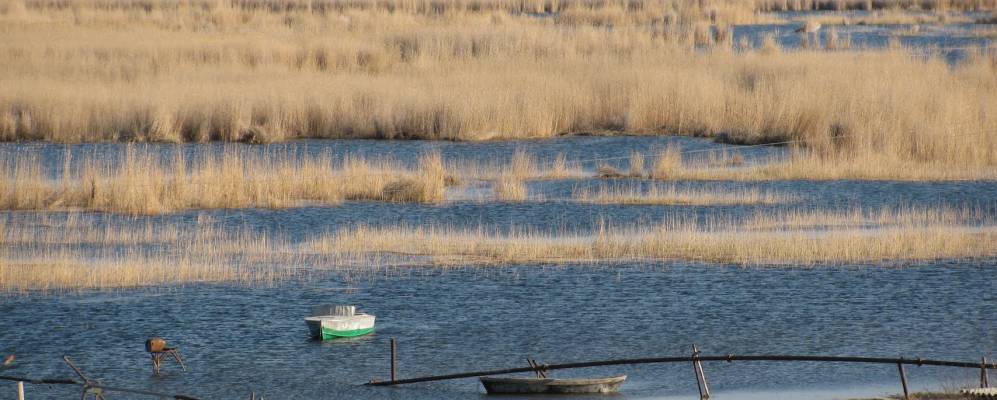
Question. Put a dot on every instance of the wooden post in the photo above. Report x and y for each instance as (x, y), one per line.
(394, 359)
(697, 366)
(984, 383)
(20, 390)
(903, 380)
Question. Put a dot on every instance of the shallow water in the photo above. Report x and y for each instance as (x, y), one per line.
(241, 339)
(951, 42)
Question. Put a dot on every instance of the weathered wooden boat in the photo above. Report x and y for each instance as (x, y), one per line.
(513, 385)
(329, 322)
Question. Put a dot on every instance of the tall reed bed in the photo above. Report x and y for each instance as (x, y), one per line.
(258, 71)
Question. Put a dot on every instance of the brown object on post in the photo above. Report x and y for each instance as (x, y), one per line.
(155, 345)
(157, 349)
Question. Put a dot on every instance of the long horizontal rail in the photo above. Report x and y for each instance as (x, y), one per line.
(728, 358)
(61, 381)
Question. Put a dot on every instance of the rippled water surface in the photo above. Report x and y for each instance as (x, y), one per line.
(239, 339)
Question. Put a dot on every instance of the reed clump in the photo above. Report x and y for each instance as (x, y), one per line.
(510, 190)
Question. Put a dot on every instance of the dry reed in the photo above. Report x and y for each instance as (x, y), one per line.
(720, 241)
(142, 183)
(510, 189)
(808, 165)
(258, 72)
(73, 252)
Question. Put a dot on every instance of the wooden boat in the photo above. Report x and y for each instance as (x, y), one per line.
(511, 385)
(329, 322)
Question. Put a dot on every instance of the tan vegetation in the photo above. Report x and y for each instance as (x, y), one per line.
(509, 189)
(910, 237)
(68, 273)
(262, 71)
(811, 165)
(674, 196)
(72, 252)
(142, 183)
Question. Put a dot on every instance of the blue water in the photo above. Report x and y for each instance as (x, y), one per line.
(242, 339)
(239, 339)
(950, 42)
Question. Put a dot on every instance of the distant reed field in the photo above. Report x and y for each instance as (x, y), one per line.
(74, 252)
(262, 71)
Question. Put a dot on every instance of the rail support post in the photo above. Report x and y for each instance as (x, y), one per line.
(697, 366)
(20, 390)
(394, 359)
(984, 381)
(903, 378)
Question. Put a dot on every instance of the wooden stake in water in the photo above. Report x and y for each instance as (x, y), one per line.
(903, 380)
(394, 358)
(697, 366)
(20, 390)
(984, 383)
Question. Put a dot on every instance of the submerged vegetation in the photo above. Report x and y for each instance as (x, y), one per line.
(72, 252)
(673, 195)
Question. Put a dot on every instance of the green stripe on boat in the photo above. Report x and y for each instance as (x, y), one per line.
(330, 333)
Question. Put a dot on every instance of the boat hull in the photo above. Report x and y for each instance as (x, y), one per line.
(498, 385)
(331, 327)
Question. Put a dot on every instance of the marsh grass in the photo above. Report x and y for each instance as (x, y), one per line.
(142, 182)
(67, 252)
(510, 189)
(719, 241)
(669, 164)
(671, 195)
(189, 71)
(67, 273)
